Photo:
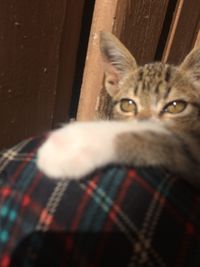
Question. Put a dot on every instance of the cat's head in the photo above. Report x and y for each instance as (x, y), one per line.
(155, 91)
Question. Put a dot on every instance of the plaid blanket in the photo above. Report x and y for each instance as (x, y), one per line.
(117, 216)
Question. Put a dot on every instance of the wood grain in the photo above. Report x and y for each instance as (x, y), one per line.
(139, 25)
(38, 42)
(67, 60)
(182, 39)
(103, 19)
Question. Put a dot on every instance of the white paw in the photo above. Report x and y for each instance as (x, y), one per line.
(75, 150)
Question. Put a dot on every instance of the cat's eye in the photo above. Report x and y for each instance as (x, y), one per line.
(175, 107)
(128, 105)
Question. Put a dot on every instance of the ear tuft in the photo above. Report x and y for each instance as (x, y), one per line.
(191, 65)
(117, 60)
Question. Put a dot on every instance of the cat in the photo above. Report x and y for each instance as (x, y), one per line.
(155, 120)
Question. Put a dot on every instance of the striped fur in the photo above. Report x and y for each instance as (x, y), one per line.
(155, 120)
(152, 87)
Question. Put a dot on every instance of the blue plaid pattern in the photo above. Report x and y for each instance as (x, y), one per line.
(117, 216)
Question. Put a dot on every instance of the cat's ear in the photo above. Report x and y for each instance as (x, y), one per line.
(118, 61)
(191, 65)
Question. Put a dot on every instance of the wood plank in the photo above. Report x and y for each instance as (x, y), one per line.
(139, 25)
(172, 31)
(68, 57)
(183, 32)
(29, 51)
(103, 19)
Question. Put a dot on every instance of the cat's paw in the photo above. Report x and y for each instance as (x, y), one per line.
(74, 151)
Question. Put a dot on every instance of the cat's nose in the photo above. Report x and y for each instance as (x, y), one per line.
(144, 116)
(143, 119)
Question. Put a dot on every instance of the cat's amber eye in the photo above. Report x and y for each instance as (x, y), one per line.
(128, 105)
(175, 107)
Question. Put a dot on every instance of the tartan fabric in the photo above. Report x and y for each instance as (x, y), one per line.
(117, 216)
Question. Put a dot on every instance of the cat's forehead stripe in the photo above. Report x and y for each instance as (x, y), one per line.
(167, 73)
(167, 92)
(154, 70)
(153, 78)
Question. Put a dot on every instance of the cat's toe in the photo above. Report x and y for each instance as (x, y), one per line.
(50, 160)
(63, 156)
(75, 151)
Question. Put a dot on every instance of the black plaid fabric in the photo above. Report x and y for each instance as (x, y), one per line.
(117, 216)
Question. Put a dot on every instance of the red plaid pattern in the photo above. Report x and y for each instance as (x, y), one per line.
(117, 216)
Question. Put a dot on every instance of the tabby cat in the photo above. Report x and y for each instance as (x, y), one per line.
(155, 120)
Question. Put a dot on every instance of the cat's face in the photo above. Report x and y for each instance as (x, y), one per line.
(156, 91)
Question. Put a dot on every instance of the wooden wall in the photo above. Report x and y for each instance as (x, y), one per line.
(38, 48)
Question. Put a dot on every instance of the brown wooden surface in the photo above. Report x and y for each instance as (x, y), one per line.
(184, 36)
(68, 57)
(103, 19)
(31, 45)
(139, 25)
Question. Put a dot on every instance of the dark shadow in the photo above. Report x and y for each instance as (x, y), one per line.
(165, 29)
(59, 249)
(81, 55)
